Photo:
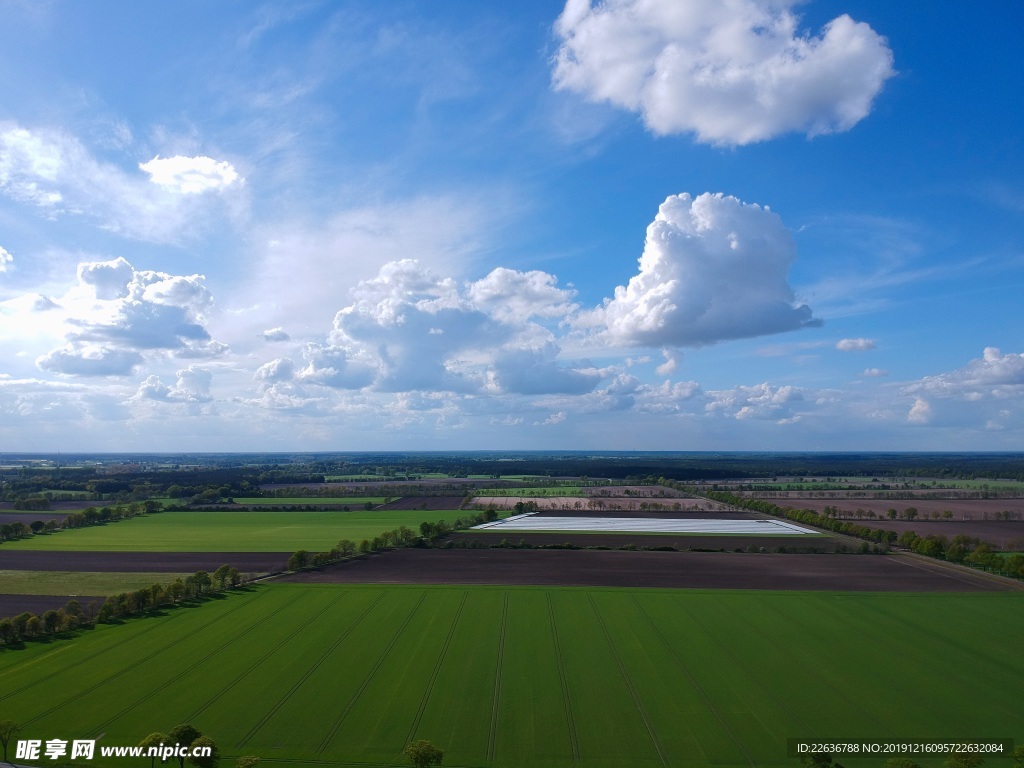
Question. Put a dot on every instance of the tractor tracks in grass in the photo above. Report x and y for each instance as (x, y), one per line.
(628, 681)
(200, 661)
(245, 673)
(366, 681)
(437, 669)
(574, 742)
(83, 661)
(139, 662)
(693, 680)
(492, 734)
(309, 673)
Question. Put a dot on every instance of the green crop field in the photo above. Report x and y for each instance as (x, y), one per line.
(227, 531)
(80, 582)
(502, 676)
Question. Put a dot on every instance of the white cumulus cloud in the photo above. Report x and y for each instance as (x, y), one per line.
(5, 259)
(855, 345)
(713, 268)
(730, 72)
(117, 313)
(190, 175)
(58, 175)
(276, 334)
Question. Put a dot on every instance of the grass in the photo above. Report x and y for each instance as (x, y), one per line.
(231, 531)
(502, 676)
(72, 583)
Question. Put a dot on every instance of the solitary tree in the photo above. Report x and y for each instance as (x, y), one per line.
(221, 575)
(247, 761)
(155, 739)
(205, 761)
(1018, 756)
(7, 730)
(183, 734)
(424, 754)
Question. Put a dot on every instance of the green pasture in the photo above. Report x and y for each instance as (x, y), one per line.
(73, 583)
(501, 676)
(231, 531)
(559, 490)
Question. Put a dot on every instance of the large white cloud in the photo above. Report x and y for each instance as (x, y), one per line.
(409, 330)
(190, 175)
(994, 376)
(117, 313)
(713, 268)
(55, 172)
(729, 71)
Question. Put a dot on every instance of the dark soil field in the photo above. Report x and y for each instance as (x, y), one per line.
(695, 570)
(12, 605)
(124, 562)
(30, 517)
(56, 506)
(681, 542)
(1004, 535)
(962, 509)
(425, 502)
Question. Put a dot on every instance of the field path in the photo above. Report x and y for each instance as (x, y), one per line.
(226, 646)
(274, 649)
(369, 676)
(493, 733)
(316, 665)
(139, 662)
(573, 737)
(437, 669)
(695, 683)
(628, 681)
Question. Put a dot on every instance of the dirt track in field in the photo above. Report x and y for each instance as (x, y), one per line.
(125, 562)
(679, 541)
(696, 570)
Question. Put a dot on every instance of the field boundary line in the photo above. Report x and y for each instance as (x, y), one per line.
(332, 732)
(492, 734)
(738, 661)
(628, 680)
(693, 680)
(564, 682)
(100, 652)
(437, 668)
(811, 628)
(213, 652)
(946, 568)
(138, 663)
(264, 657)
(309, 672)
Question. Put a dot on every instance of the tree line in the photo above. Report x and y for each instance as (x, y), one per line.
(15, 630)
(962, 549)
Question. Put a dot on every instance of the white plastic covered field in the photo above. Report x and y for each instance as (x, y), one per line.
(533, 522)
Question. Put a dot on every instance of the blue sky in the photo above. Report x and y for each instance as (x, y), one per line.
(634, 225)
